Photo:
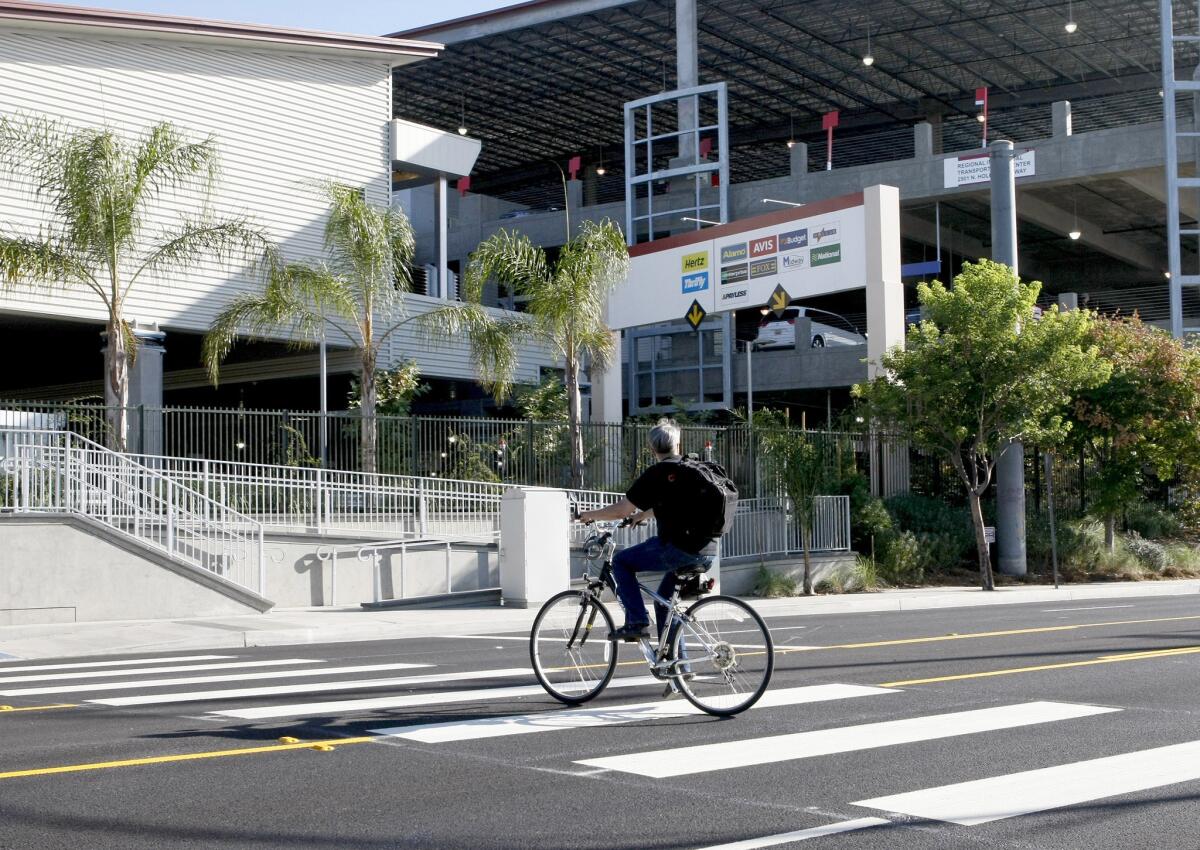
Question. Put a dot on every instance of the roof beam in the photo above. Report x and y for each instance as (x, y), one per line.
(1059, 220)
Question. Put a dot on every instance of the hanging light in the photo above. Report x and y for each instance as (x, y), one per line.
(980, 117)
(1075, 234)
(1075, 231)
(600, 169)
(868, 59)
(462, 123)
(791, 142)
(1070, 25)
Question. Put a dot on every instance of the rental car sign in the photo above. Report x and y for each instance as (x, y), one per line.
(811, 250)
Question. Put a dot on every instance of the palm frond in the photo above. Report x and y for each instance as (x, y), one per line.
(43, 261)
(493, 341)
(166, 160)
(509, 258)
(226, 241)
(258, 316)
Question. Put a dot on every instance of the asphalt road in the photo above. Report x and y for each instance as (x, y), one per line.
(1076, 726)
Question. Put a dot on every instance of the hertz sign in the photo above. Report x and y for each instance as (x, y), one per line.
(697, 262)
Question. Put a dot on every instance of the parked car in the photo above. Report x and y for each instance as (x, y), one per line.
(831, 330)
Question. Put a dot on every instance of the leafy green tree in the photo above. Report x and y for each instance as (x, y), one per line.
(1143, 421)
(105, 234)
(564, 303)
(357, 291)
(800, 467)
(395, 390)
(980, 372)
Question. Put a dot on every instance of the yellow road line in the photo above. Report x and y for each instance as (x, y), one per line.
(12, 709)
(1107, 659)
(211, 754)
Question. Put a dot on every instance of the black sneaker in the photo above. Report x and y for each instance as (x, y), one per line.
(631, 632)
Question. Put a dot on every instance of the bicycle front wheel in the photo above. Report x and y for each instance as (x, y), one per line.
(570, 649)
(724, 656)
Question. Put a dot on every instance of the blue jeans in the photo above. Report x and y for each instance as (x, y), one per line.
(654, 554)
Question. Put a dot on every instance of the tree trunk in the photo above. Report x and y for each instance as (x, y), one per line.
(987, 581)
(804, 526)
(575, 427)
(116, 386)
(1110, 533)
(370, 427)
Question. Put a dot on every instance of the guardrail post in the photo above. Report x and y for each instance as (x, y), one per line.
(320, 500)
(170, 516)
(207, 473)
(422, 509)
(449, 575)
(262, 563)
(377, 579)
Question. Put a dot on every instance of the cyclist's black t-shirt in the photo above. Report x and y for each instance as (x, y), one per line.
(658, 489)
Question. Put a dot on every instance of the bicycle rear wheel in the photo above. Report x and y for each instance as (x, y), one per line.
(724, 656)
(569, 647)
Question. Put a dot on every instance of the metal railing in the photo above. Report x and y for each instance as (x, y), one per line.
(298, 498)
(394, 557)
(59, 472)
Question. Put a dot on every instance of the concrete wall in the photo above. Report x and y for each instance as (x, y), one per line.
(57, 570)
(302, 570)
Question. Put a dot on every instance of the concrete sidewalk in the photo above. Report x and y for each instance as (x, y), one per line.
(334, 625)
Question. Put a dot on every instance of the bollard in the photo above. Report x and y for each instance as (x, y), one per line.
(535, 555)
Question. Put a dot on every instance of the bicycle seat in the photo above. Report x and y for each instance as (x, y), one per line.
(702, 565)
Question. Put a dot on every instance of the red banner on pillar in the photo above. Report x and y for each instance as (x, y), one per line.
(464, 185)
(573, 167)
(828, 121)
(705, 148)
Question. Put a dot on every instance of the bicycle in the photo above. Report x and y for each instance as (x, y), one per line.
(695, 654)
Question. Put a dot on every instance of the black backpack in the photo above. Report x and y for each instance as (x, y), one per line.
(713, 497)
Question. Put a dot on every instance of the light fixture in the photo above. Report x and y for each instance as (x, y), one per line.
(763, 311)
(1070, 25)
(1075, 231)
(697, 220)
(868, 59)
(600, 169)
(980, 117)
(1075, 234)
(785, 203)
(1167, 275)
(791, 142)
(462, 122)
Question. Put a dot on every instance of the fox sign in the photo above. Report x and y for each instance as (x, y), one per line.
(810, 250)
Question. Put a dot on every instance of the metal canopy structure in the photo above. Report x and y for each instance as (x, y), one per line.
(544, 81)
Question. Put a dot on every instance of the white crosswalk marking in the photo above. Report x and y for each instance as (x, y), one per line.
(800, 834)
(610, 715)
(408, 700)
(310, 687)
(147, 671)
(776, 748)
(985, 800)
(203, 680)
(127, 662)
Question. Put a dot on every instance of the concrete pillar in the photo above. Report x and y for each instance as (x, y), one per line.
(146, 393)
(885, 292)
(1060, 118)
(606, 387)
(535, 553)
(1010, 467)
(935, 129)
(798, 159)
(442, 230)
(574, 195)
(687, 69)
(803, 329)
(922, 140)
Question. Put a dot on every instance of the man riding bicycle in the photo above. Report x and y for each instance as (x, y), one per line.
(665, 493)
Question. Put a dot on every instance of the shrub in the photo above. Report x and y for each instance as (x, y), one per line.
(1148, 553)
(865, 574)
(1151, 522)
(944, 533)
(770, 584)
(1185, 561)
(903, 561)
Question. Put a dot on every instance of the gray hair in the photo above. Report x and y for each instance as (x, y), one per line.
(664, 437)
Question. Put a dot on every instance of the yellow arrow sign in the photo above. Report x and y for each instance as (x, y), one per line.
(695, 315)
(779, 301)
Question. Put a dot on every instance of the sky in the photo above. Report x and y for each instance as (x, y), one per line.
(367, 17)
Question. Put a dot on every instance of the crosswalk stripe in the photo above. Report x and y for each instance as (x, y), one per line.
(579, 718)
(202, 680)
(127, 662)
(408, 700)
(800, 834)
(147, 671)
(309, 687)
(1013, 794)
(682, 761)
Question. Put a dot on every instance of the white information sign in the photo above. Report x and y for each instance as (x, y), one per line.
(810, 250)
(967, 170)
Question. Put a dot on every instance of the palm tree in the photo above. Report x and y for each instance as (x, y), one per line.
(565, 303)
(101, 187)
(358, 291)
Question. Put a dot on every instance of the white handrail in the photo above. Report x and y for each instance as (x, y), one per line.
(61, 472)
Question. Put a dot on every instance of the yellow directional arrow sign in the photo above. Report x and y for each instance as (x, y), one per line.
(779, 301)
(695, 315)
